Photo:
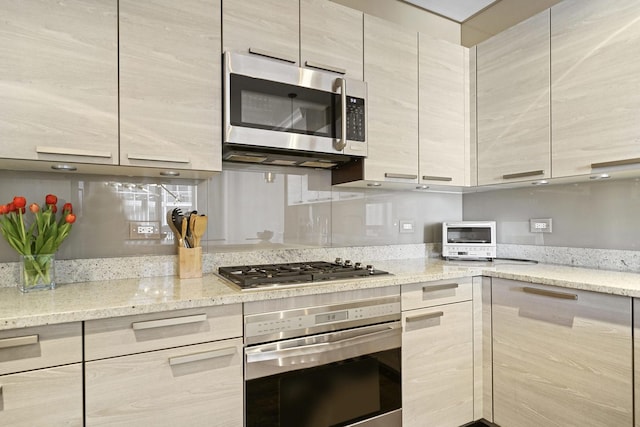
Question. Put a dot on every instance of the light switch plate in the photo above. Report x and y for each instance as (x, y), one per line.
(540, 225)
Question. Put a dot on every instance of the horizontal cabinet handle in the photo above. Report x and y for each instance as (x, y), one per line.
(319, 66)
(272, 55)
(400, 175)
(523, 174)
(72, 152)
(19, 341)
(615, 163)
(434, 288)
(173, 321)
(205, 355)
(552, 294)
(425, 316)
(157, 158)
(436, 178)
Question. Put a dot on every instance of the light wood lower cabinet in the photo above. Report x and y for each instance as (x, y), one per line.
(636, 356)
(196, 385)
(437, 366)
(44, 397)
(561, 357)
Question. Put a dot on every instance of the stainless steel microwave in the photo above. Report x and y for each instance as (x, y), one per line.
(277, 113)
(469, 240)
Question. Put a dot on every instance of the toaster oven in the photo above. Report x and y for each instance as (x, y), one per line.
(469, 240)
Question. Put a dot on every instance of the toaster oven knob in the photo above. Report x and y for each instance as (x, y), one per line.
(358, 266)
(347, 263)
(338, 261)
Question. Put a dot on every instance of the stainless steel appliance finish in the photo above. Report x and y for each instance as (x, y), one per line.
(333, 365)
(295, 273)
(469, 240)
(277, 113)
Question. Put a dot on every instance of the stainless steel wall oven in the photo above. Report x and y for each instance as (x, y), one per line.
(333, 364)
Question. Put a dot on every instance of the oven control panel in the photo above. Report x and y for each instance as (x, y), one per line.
(259, 325)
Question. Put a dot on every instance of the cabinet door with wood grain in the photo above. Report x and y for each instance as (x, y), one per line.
(560, 356)
(513, 127)
(595, 85)
(170, 89)
(59, 80)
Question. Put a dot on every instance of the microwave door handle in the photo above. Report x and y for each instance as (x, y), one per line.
(342, 142)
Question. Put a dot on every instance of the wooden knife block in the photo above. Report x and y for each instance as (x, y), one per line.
(190, 262)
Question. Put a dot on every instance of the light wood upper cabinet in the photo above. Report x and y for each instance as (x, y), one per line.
(391, 72)
(513, 102)
(443, 154)
(270, 27)
(59, 81)
(595, 45)
(560, 355)
(170, 109)
(331, 37)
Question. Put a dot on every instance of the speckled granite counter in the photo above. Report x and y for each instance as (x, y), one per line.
(103, 299)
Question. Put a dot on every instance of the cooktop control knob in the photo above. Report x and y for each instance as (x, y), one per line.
(358, 266)
(338, 261)
(370, 268)
(347, 263)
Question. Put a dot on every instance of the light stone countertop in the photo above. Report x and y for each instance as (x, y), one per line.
(112, 298)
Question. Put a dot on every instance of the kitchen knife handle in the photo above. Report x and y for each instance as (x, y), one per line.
(523, 174)
(319, 66)
(64, 151)
(272, 55)
(173, 321)
(425, 316)
(19, 341)
(552, 294)
(205, 355)
(443, 287)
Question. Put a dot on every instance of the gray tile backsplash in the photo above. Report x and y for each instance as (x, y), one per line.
(249, 208)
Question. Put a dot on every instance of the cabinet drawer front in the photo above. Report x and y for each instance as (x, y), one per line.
(40, 347)
(560, 354)
(429, 294)
(45, 397)
(134, 334)
(195, 385)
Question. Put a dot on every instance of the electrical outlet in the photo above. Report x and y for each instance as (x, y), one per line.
(407, 226)
(143, 230)
(540, 225)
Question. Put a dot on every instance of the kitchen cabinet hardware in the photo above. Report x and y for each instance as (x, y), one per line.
(523, 174)
(436, 178)
(427, 316)
(19, 341)
(71, 152)
(150, 324)
(205, 355)
(152, 158)
(546, 293)
(615, 163)
(272, 55)
(442, 287)
(400, 175)
(319, 66)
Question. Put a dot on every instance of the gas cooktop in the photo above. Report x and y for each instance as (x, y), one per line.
(295, 273)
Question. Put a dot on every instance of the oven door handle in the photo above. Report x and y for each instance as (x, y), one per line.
(342, 142)
(319, 350)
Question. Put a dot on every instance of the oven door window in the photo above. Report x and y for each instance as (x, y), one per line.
(336, 394)
(264, 104)
(469, 235)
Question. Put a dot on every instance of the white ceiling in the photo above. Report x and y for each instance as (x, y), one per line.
(456, 10)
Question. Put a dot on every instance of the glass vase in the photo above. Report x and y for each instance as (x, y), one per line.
(37, 272)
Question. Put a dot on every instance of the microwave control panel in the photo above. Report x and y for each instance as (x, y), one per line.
(355, 119)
